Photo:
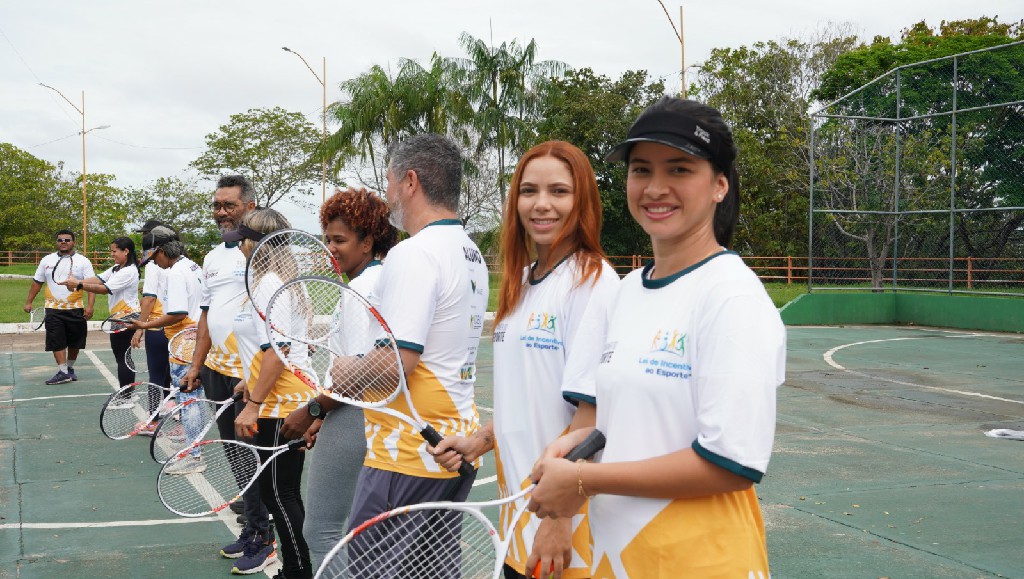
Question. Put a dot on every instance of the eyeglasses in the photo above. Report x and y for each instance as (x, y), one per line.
(230, 206)
(65, 240)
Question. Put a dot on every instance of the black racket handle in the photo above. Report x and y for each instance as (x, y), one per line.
(434, 438)
(588, 448)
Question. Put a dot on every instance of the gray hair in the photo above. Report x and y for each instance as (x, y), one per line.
(173, 249)
(437, 163)
(248, 193)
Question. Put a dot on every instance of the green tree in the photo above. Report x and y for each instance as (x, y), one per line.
(274, 148)
(28, 215)
(594, 113)
(764, 92)
(181, 203)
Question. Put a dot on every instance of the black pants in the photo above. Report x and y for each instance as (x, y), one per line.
(280, 488)
(119, 344)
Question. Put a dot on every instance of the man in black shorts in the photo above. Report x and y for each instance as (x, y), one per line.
(65, 315)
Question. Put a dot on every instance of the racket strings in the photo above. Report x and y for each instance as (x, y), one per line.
(428, 543)
(282, 257)
(115, 324)
(184, 425)
(130, 406)
(183, 345)
(228, 468)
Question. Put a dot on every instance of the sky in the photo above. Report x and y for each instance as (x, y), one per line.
(163, 75)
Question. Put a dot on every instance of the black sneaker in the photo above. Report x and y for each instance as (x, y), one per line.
(237, 507)
(59, 378)
(71, 372)
(234, 550)
(256, 556)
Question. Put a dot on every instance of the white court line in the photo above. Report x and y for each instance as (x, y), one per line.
(831, 362)
(102, 368)
(485, 481)
(148, 523)
(60, 396)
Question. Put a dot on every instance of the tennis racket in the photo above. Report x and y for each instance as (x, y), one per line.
(282, 256)
(128, 410)
(181, 345)
(225, 470)
(37, 317)
(119, 322)
(129, 362)
(62, 270)
(366, 367)
(185, 424)
(439, 539)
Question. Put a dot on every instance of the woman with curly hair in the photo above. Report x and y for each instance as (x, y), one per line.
(358, 234)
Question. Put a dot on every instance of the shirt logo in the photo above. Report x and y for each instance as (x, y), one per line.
(472, 254)
(476, 322)
(702, 134)
(467, 373)
(499, 332)
(670, 341)
(542, 321)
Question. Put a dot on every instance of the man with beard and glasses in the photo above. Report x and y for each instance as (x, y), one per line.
(216, 365)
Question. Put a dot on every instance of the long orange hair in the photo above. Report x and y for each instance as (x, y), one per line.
(580, 236)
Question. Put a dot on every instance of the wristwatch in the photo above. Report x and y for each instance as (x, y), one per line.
(316, 410)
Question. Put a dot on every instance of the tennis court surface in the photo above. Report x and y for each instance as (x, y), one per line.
(881, 465)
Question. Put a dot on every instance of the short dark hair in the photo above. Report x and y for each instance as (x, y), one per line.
(248, 193)
(727, 213)
(65, 232)
(437, 163)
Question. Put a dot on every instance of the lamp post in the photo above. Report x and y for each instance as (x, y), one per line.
(85, 197)
(682, 46)
(323, 83)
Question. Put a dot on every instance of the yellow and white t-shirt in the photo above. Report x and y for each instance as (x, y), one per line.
(540, 350)
(183, 283)
(123, 285)
(253, 339)
(151, 287)
(692, 361)
(223, 295)
(433, 294)
(59, 297)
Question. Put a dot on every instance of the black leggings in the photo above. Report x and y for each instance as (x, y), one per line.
(120, 343)
(280, 486)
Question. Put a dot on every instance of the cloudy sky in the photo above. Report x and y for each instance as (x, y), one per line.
(163, 75)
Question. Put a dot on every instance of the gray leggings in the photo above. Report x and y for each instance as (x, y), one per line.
(334, 466)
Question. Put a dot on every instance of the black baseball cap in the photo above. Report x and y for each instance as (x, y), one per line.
(673, 129)
(241, 232)
(149, 225)
(152, 241)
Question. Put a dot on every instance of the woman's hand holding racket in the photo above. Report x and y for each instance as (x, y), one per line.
(245, 422)
(558, 479)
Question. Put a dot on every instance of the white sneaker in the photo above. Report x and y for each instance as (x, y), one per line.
(187, 465)
(121, 404)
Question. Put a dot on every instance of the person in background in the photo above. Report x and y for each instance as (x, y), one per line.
(686, 384)
(66, 316)
(121, 284)
(150, 309)
(358, 234)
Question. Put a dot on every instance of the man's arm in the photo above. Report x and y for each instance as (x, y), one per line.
(33, 291)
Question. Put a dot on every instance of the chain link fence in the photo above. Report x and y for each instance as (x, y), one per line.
(917, 179)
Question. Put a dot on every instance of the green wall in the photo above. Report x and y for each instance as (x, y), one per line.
(965, 312)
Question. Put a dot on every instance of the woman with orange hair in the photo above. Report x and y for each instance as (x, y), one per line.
(547, 338)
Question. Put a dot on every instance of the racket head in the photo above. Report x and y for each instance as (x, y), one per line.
(129, 406)
(118, 323)
(37, 317)
(355, 358)
(282, 256)
(230, 467)
(133, 365)
(62, 270)
(428, 540)
(171, 435)
(182, 345)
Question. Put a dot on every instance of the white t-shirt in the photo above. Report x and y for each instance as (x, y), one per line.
(59, 297)
(365, 284)
(253, 340)
(433, 294)
(223, 295)
(691, 361)
(151, 287)
(123, 285)
(182, 285)
(541, 349)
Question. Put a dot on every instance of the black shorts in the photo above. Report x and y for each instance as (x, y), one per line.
(65, 329)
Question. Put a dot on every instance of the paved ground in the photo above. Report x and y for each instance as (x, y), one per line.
(881, 467)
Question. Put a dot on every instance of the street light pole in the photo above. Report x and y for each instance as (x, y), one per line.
(85, 197)
(323, 83)
(682, 46)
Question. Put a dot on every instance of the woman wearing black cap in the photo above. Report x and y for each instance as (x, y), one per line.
(685, 388)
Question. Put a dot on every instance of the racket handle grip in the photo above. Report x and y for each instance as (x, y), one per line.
(434, 438)
(588, 448)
